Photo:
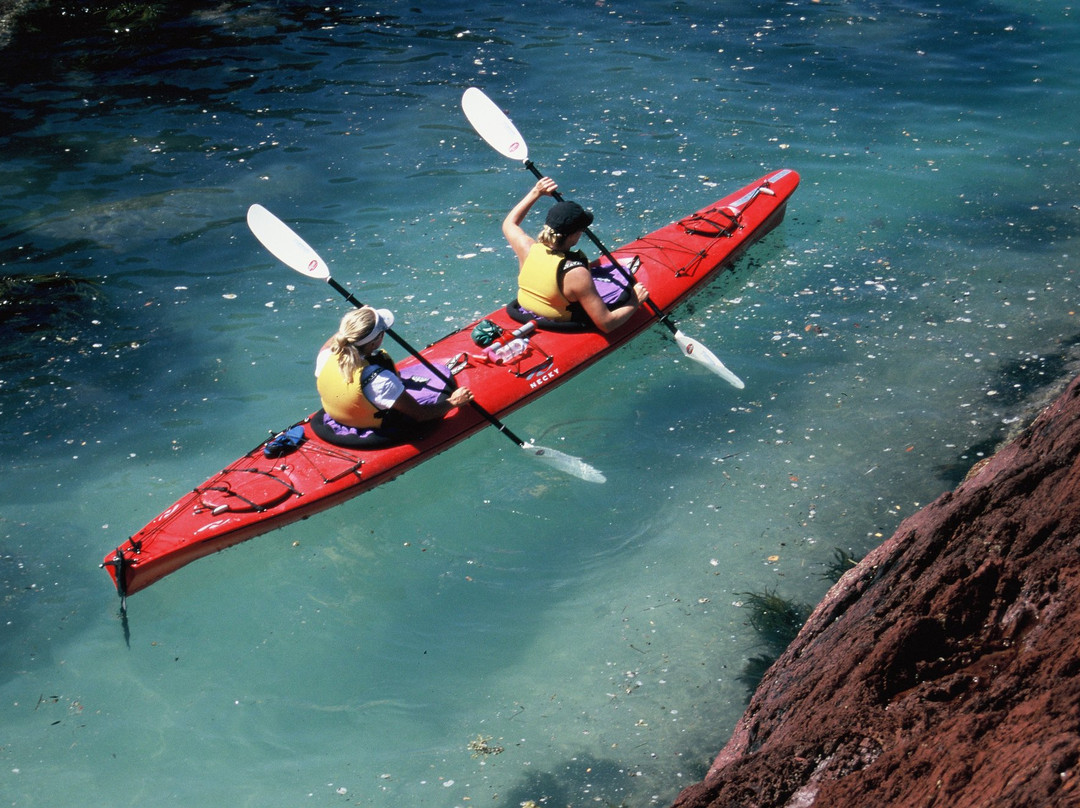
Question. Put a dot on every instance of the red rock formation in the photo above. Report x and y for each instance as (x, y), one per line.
(943, 670)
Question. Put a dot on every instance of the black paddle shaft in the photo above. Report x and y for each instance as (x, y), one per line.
(529, 164)
(449, 380)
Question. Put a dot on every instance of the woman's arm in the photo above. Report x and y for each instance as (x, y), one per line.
(578, 287)
(409, 406)
(518, 239)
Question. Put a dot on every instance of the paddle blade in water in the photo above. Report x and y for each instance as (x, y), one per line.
(703, 356)
(284, 244)
(492, 124)
(565, 463)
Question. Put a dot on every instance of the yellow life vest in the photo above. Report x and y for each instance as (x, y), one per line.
(344, 399)
(538, 281)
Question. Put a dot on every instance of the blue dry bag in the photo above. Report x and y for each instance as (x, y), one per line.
(285, 442)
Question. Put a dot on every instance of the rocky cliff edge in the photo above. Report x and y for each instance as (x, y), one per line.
(944, 669)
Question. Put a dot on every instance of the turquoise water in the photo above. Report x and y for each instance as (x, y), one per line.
(921, 291)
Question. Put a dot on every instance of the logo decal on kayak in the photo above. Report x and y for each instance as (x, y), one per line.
(541, 375)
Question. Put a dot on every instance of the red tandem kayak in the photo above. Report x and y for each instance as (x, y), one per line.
(256, 493)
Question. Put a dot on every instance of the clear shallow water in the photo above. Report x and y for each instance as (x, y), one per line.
(922, 286)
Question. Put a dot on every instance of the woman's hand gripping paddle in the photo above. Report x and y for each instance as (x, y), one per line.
(492, 124)
(294, 252)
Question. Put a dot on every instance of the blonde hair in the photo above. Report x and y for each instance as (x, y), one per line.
(354, 326)
(550, 239)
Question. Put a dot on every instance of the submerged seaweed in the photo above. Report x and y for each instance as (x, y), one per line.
(31, 303)
(777, 621)
(843, 560)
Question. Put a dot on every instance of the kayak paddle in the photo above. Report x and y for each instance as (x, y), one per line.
(294, 252)
(493, 125)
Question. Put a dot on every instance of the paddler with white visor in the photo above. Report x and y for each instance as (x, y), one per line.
(358, 383)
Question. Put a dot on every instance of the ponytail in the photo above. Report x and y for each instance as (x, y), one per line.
(547, 237)
(355, 325)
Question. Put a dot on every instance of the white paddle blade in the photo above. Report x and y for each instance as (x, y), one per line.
(284, 244)
(703, 356)
(492, 124)
(566, 463)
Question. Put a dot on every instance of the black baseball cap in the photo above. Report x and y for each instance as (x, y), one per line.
(568, 217)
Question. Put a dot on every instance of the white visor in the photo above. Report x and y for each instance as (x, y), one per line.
(384, 319)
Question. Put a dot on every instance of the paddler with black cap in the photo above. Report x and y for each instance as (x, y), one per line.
(554, 280)
(365, 401)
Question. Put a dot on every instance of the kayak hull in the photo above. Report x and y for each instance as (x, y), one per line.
(256, 493)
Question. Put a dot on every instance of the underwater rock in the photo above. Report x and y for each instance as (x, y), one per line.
(944, 669)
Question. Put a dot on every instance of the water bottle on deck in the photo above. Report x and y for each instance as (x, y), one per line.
(511, 344)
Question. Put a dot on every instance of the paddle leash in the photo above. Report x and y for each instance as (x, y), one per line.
(496, 128)
(294, 252)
